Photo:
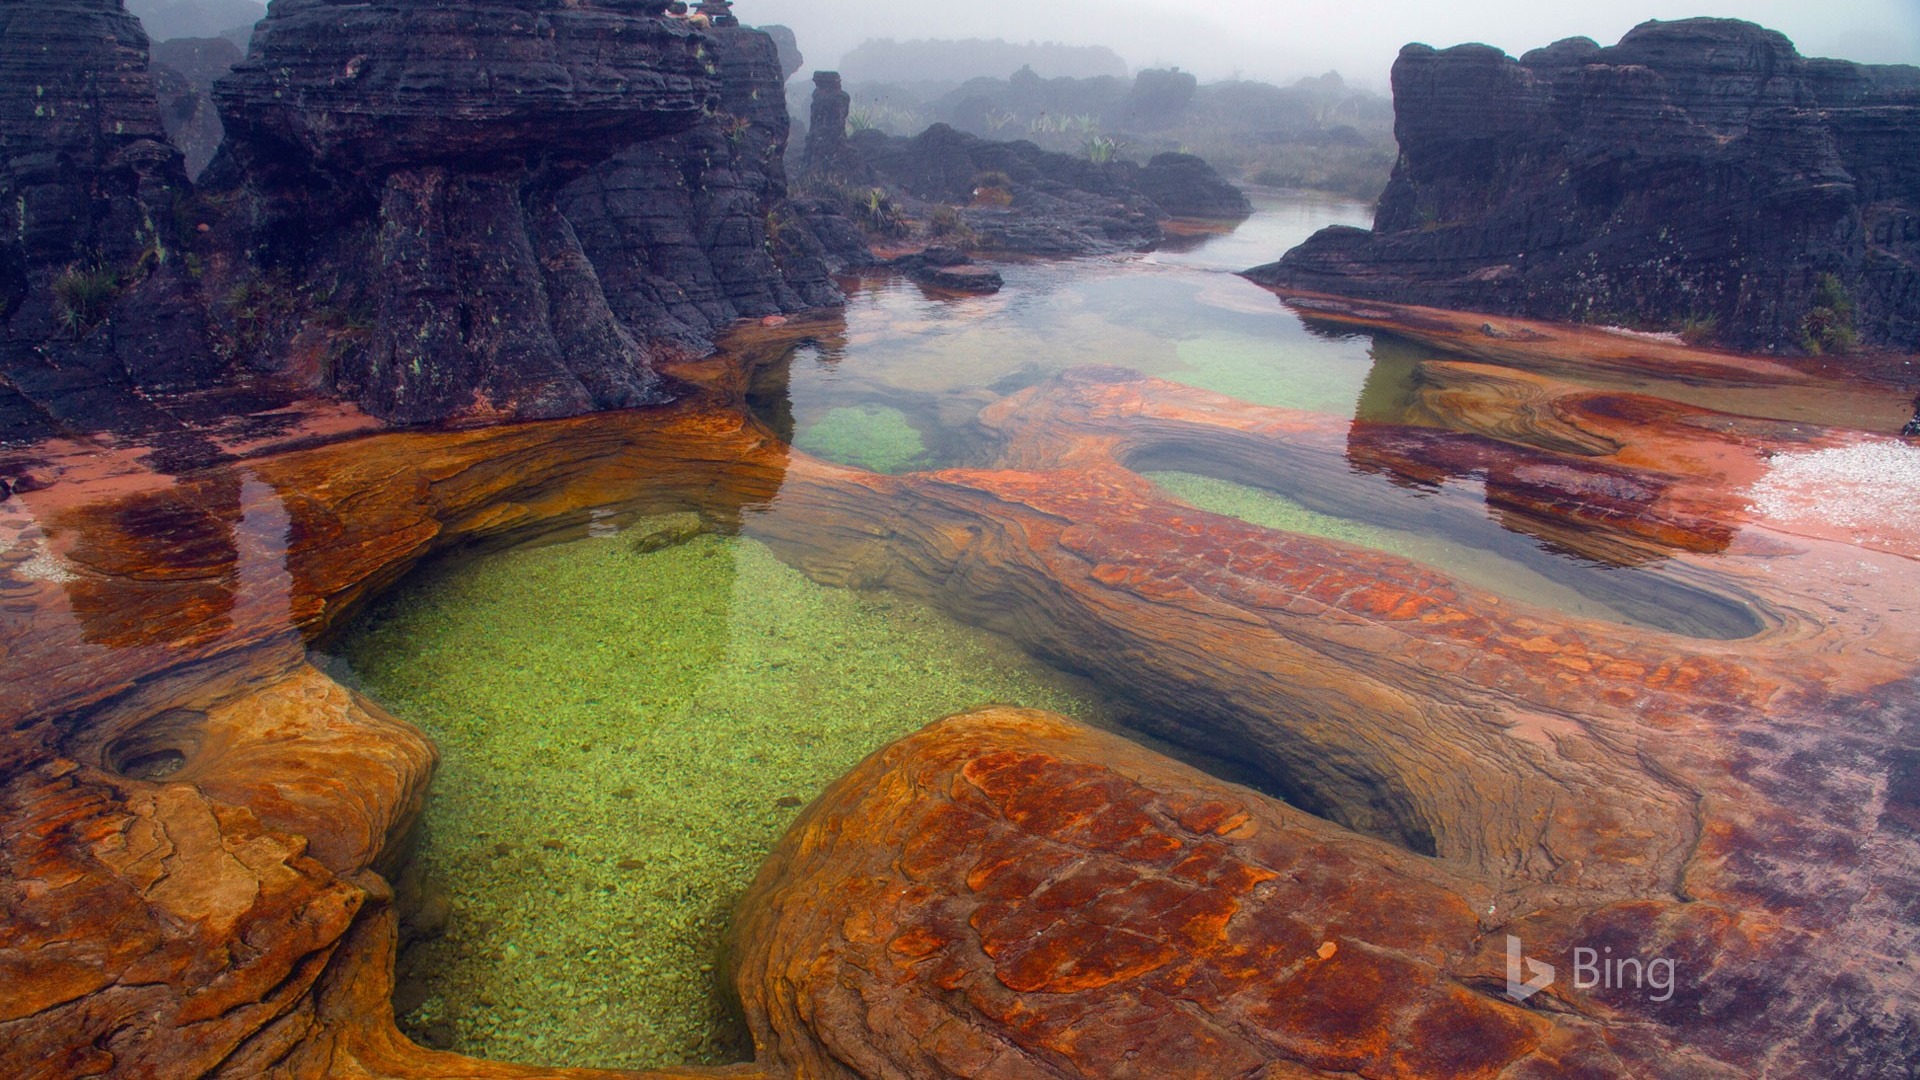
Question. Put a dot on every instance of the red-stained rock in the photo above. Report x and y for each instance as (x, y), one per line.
(1008, 894)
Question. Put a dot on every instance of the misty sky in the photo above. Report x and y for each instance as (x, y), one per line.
(1283, 39)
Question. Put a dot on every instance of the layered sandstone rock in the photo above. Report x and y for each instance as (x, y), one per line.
(434, 213)
(690, 232)
(405, 162)
(1700, 174)
(96, 303)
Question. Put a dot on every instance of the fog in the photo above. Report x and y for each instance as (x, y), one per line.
(1284, 39)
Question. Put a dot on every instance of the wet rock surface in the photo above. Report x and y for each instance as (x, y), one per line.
(978, 898)
(1699, 175)
(946, 268)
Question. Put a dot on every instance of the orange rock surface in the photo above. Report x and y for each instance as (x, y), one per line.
(198, 821)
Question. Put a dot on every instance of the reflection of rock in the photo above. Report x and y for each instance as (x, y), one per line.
(1595, 805)
(1698, 173)
(212, 829)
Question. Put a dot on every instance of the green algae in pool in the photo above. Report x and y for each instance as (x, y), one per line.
(871, 437)
(624, 737)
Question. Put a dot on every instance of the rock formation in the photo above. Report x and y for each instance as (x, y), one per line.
(1186, 186)
(95, 298)
(826, 150)
(1699, 175)
(1042, 203)
(692, 231)
(791, 58)
(420, 200)
(439, 246)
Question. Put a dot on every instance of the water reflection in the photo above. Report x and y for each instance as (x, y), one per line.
(909, 375)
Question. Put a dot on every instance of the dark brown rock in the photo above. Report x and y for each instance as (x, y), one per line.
(690, 232)
(1700, 174)
(1056, 205)
(948, 269)
(1186, 186)
(97, 307)
(383, 177)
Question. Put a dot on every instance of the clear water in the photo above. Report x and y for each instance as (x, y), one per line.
(625, 735)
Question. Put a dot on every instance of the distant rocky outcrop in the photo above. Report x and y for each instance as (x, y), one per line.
(1016, 197)
(184, 70)
(96, 302)
(1054, 204)
(1700, 175)
(791, 58)
(165, 19)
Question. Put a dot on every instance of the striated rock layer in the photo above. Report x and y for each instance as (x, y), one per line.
(404, 160)
(435, 215)
(96, 307)
(1700, 174)
(690, 232)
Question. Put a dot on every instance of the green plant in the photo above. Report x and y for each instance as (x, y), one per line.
(1828, 324)
(736, 127)
(1699, 329)
(879, 215)
(861, 120)
(81, 297)
(1102, 149)
(254, 305)
(947, 224)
